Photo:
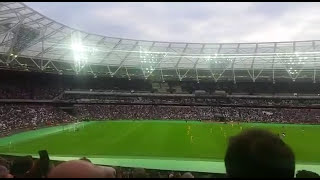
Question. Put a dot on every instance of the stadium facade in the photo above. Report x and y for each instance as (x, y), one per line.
(30, 41)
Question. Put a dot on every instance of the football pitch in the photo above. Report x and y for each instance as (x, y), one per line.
(175, 145)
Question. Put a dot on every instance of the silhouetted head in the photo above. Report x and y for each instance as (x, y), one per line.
(258, 153)
(21, 165)
(187, 175)
(76, 169)
(306, 174)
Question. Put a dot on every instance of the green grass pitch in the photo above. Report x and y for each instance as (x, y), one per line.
(158, 140)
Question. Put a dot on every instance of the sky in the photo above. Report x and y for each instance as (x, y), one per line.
(205, 22)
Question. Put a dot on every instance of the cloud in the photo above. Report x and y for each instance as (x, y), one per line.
(191, 22)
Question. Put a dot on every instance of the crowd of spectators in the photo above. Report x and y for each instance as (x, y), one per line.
(272, 102)
(28, 167)
(189, 100)
(15, 117)
(279, 115)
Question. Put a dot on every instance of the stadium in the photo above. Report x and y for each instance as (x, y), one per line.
(162, 106)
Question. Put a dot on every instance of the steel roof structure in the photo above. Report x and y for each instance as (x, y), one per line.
(32, 41)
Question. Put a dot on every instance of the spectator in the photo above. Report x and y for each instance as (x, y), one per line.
(139, 173)
(187, 175)
(109, 172)
(77, 169)
(4, 162)
(4, 172)
(258, 153)
(85, 159)
(171, 175)
(307, 174)
(35, 171)
(21, 166)
(175, 175)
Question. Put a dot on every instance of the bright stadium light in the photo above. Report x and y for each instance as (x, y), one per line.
(77, 47)
(80, 55)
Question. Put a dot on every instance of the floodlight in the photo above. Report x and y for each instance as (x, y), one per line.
(76, 46)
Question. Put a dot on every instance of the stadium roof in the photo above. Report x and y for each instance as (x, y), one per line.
(30, 40)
